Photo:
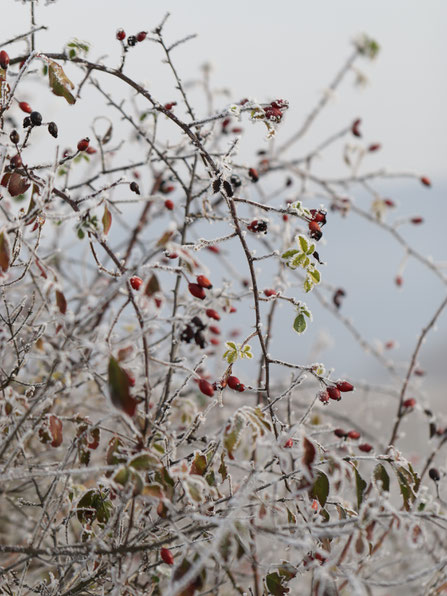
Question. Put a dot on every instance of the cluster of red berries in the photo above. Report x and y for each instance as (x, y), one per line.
(318, 220)
(275, 111)
(258, 225)
(132, 40)
(334, 391)
(233, 383)
(198, 289)
(343, 434)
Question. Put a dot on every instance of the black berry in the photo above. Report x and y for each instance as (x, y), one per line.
(36, 118)
(52, 129)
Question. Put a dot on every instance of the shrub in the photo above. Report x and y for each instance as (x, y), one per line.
(146, 445)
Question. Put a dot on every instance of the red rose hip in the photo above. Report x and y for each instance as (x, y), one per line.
(197, 291)
(166, 556)
(206, 388)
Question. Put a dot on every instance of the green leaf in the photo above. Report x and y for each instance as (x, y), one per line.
(198, 466)
(308, 285)
(360, 486)
(59, 82)
(300, 324)
(304, 245)
(119, 388)
(315, 275)
(275, 585)
(223, 471)
(405, 480)
(320, 489)
(311, 249)
(289, 253)
(144, 461)
(381, 475)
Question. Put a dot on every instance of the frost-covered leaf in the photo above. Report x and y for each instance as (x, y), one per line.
(59, 82)
(198, 466)
(321, 488)
(5, 251)
(61, 302)
(303, 244)
(119, 388)
(106, 220)
(309, 453)
(300, 324)
(152, 286)
(360, 486)
(381, 475)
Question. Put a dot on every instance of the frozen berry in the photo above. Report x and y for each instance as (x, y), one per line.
(141, 36)
(288, 444)
(136, 282)
(334, 393)
(323, 396)
(169, 204)
(269, 292)
(16, 161)
(4, 59)
(409, 403)
(212, 314)
(355, 128)
(235, 181)
(134, 188)
(354, 435)
(425, 181)
(120, 34)
(344, 386)
(14, 137)
(365, 447)
(204, 282)
(233, 383)
(340, 433)
(52, 129)
(197, 291)
(253, 174)
(131, 41)
(36, 118)
(197, 321)
(206, 388)
(25, 107)
(83, 144)
(434, 474)
(166, 555)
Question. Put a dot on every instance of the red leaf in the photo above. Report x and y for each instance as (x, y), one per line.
(17, 184)
(119, 387)
(61, 302)
(5, 251)
(309, 453)
(152, 286)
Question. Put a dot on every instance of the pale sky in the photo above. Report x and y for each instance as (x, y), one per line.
(292, 50)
